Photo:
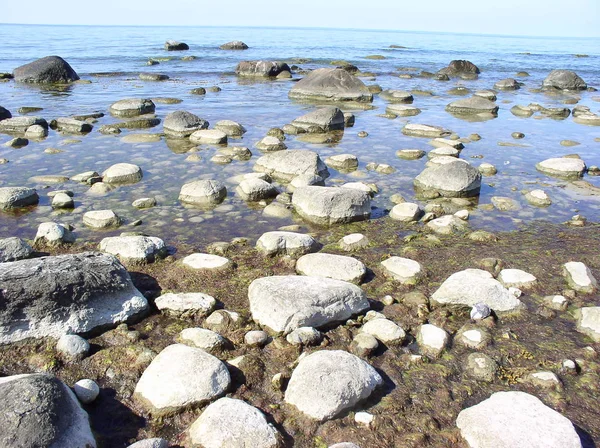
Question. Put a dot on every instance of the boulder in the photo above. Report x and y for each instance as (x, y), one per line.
(71, 126)
(208, 137)
(191, 304)
(384, 330)
(203, 193)
(261, 69)
(403, 270)
(132, 107)
(181, 124)
(173, 45)
(579, 277)
(563, 167)
(234, 45)
(507, 84)
(511, 419)
(39, 410)
(231, 128)
(564, 80)
(325, 119)
(52, 296)
(460, 67)
(53, 234)
(284, 303)
(331, 84)
(338, 267)
(101, 219)
(286, 243)
(285, 165)
(134, 249)
(181, 377)
(15, 197)
(331, 205)
(254, 190)
(328, 382)
(588, 321)
(122, 173)
(454, 180)
(232, 423)
(13, 249)
(472, 286)
(48, 70)
(20, 125)
(472, 105)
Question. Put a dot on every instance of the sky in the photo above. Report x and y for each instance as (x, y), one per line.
(576, 18)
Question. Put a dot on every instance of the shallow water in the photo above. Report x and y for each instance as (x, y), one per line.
(262, 105)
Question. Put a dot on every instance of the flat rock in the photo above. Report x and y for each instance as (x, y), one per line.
(47, 70)
(562, 167)
(331, 205)
(207, 262)
(232, 423)
(254, 190)
(448, 225)
(209, 137)
(516, 278)
(331, 84)
(384, 330)
(579, 277)
(183, 124)
(338, 267)
(13, 249)
(325, 118)
(20, 125)
(101, 219)
(100, 295)
(397, 96)
(454, 179)
(285, 165)
(326, 383)
(354, 241)
(191, 304)
(286, 243)
(473, 286)
(588, 321)
(39, 410)
(122, 173)
(137, 249)
(424, 130)
(201, 338)
(132, 107)
(402, 110)
(406, 212)
(15, 197)
(203, 193)
(404, 270)
(180, 377)
(512, 419)
(472, 105)
(284, 303)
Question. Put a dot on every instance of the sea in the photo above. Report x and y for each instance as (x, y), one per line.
(124, 52)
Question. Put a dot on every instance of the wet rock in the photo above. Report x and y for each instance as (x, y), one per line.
(181, 124)
(564, 80)
(62, 200)
(101, 219)
(173, 45)
(231, 128)
(132, 107)
(72, 347)
(150, 443)
(342, 162)
(19, 125)
(511, 419)
(563, 167)
(53, 234)
(473, 286)
(505, 204)
(454, 179)
(285, 165)
(588, 321)
(326, 383)
(286, 243)
(445, 142)
(203, 193)
(100, 294)
(254, 190)
(209, 137)
(284, 303)
(36, 132)
(443, 151)
(538, 198)
(325, 119)
(201, 338)
(134, 249)
(122, 173)
(261, 69)
(424, 130)
(487, 169)
(198, 91)
(86, 390)
(144, 203)
(40, 410)
(397, 96)
(331, 205)
(180, 377)
(232, 423)
(410, 154)
(472, 105)
(522, 111)
(579, 277)
(305, 336)
(47, 70)
(402, 110)
(460, 67)
(15, 197)
(481, 367)
(338, 267)
(234, 45)
(487, 94)
(13, 249)
(403, 270)
(331, 84)
(71, 126)
(271, 144)
(153, 77)
(207, 262)
(4, 113)
(432, 340)
(354, 241)
(589, 118)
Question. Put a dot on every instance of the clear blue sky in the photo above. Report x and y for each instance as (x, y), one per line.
(578, 18)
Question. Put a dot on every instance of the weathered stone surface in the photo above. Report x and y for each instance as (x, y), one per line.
(270, 144)
(325, 118)
(71, 126)
(94, 291)
(203, 193)
(182, 124)
(354, 241)
(132, 107)
(13, 249)
(285, 165)
(201, 338)
(454, 179)
(338, 267)
(39, 410)
(384, 330)
(62, 200)
(4, 113)
(20, 125)
(150, 443)
(342, 162)
(330, 84)
(538, 198)
(234, 45)
(53, 234)
(72, 347)
(424, 130)
(511, 419)
(232, 423)
(473, 105)
(516, 278)
(507, 84)
(304, 336)
(331, 205)
(402, 110)
(231, 128)
(472, 286)
(579, 277)
(136, 249)
(86, 390)
(209, 137)
(180, 377)
(564, 80)
(47, 70)
(15, 197)
(286, 243)
(406, 212)
(261, 69)
(122, 173)
(397, 96)
(207, 262)
(563, 167)
(588, 321)
(101, 219)
(254, 189)
(481, 367)
(191, 304)
(404, 270)
(448, 225)
(460, 67)
(284, 303)
(326, 383)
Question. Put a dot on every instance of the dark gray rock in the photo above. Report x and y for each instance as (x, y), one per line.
(39, 410)
(459, 67)
(261, 69)
(12, 249)
(564, 80)
(4, 113)
(52, 296)
(48, 70)
(234, 45)
(331, 84)
(172, 45)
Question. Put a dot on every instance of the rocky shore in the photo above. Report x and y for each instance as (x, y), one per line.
(356, 326)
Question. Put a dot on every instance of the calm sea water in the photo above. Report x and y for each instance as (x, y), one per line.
(262, 105)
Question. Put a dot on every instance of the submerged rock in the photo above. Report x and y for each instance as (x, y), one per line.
(331, 84)
(473, 105)
(234, 45)
(48, 70)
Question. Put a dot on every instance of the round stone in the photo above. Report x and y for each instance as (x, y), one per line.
(86, 390)
(101, 219)
(122, 173)
(203, 193)
(73, 347)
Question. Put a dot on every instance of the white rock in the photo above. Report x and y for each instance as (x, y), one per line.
(191, 304)
(179, 377)
(208, 137)
(354, 241)
(52, 233)
(286, 243)
(304, 336)
(331, 205)
(62, 200)
(203, 193)
(256, 338)
(588, 321)
(254, 190)
(539, 198)
(384, 330)
(579, 277)
(338, 267)
(207, 262)
(150, 443)
(73, 347)
(326, 383)
(122, 173)
(404, 270)
(432, 340)
(516, 278)
(201, 338)
(406, 212)
(364, 418)
(564, 167)
(137, 249)
(516, 419)
(474, 338)
(270, 144)
(86, 390)
(447, 225)
(101, 219)
(285, 165)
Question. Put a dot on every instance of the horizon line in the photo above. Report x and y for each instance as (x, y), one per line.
(299, 27)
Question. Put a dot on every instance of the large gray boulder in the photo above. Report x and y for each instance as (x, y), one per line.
(564, 80)
(48, 70)
(325, 119)
(39, 410)
(516, 419)
(52, 296)
(181, 377)
(284, 303)
(331, 205)
(15, 197)
(13, 249)
(183, 124)
(331, 84)
(232, 423)
(471, 106)
(286, 165)
(453, 180)
(461, 67)
(261, 69)
(327, 382)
